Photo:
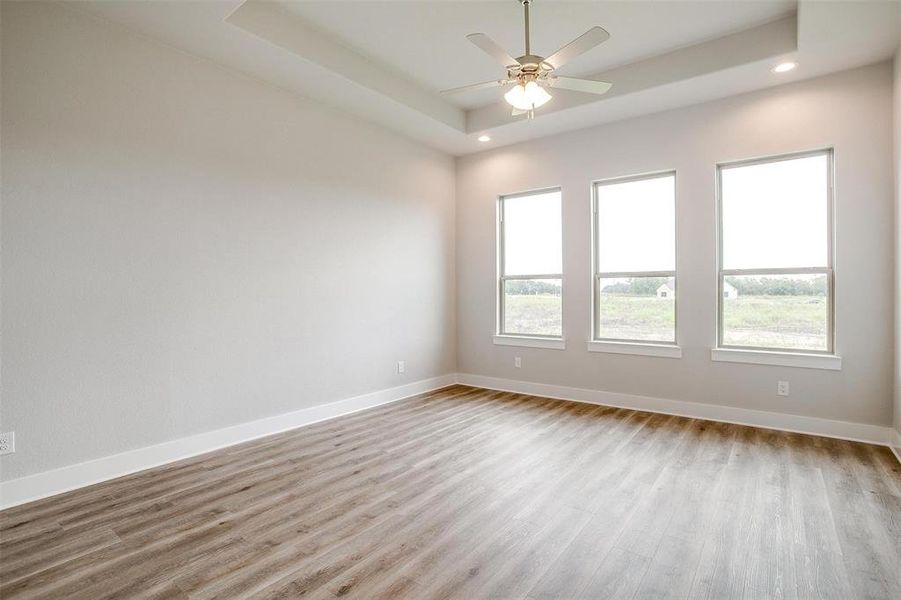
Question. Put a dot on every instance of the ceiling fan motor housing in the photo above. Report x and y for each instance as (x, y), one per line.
(531, 62)
(530, 68)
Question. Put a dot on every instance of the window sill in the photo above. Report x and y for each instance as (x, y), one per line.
(530, 342)
(829, 362)
(650, 349)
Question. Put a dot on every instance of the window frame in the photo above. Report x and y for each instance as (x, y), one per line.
(828, 270)
(597, 275)
(502, 278)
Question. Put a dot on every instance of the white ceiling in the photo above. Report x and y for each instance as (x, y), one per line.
(427, 40)
(386, 61)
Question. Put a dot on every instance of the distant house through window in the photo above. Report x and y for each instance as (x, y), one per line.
(775, 253)
(634, 259)
(667, 289)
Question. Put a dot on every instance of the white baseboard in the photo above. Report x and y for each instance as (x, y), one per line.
(857, 432)
(895, 444)
(57, 481)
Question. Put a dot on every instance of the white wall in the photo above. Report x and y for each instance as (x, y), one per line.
(185, 248)
(851, 111)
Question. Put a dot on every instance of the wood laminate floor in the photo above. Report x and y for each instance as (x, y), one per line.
(468, 493)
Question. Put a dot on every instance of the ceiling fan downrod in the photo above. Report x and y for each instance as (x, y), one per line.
(525, 6)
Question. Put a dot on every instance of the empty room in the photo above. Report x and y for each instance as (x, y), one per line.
(459, 299)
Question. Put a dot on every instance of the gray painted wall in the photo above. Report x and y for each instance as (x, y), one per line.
(851, 111)
(185, 248)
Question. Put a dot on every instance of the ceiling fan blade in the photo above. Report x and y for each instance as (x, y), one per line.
(492, 49)
(580, 45)
(477, 86)
(580, 85)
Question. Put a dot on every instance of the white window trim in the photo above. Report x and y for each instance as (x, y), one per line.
(829, 362)
(775, 356)
(618, 345)
(524, 341)
(546, 341)
(637, 348)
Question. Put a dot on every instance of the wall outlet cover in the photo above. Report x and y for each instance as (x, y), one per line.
(7, 442)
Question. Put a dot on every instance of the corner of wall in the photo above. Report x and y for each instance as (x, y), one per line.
(896, 114)
(455, 263)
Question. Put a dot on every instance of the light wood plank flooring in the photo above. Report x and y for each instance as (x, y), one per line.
(469, 493)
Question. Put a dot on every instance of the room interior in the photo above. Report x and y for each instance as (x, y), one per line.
(450, 299)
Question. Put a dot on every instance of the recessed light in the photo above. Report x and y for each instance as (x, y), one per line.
(784, 67)
(484, 138)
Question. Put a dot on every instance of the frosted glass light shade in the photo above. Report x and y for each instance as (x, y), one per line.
(527, 97)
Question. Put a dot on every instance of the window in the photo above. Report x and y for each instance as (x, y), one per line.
(775, 253)
(530, 261)
(635, 259)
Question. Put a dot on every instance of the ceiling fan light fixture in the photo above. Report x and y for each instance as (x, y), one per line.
(527, 97)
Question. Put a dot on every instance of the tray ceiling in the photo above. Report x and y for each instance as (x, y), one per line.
(386, 61)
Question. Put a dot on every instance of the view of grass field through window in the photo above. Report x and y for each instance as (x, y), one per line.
(531, 264)
(775, 263)
(635, 257)
(637, 308)
(766, 312)
(779, 311)
(533, 306)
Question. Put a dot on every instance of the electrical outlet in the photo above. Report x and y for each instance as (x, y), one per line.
(517, 362)
(782, 388)
(401, 367)
(7, 442)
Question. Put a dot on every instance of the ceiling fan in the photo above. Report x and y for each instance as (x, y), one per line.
(532, 73)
